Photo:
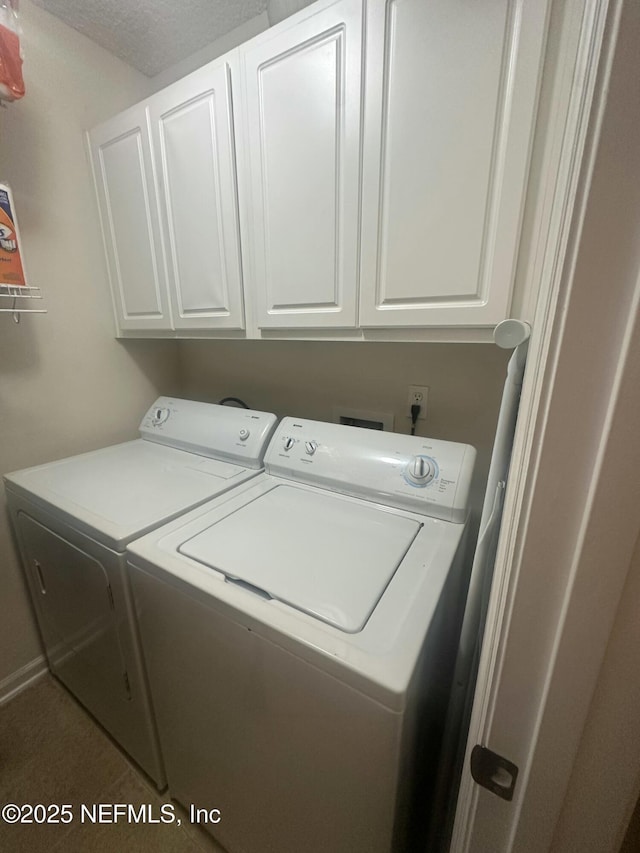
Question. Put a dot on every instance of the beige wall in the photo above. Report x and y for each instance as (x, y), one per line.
(309, 378)
(597, 805)
(66, 385)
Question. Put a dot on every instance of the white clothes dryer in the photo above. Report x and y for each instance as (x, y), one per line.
(73, 519)
(300, 639)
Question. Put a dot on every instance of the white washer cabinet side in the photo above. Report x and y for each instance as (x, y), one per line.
(450, 99)
(194, 155)
(296, 760)
(302, 99)
(125, 187)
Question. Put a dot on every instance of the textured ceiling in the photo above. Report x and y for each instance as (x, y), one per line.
(151, 35)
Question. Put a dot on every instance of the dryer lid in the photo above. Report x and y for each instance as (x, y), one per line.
(123, 491)
(326, 555)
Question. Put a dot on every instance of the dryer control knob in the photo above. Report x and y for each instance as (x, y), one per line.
(421, 470)
(311, 447)
(244, 434)
(160, 416)
(288, 443)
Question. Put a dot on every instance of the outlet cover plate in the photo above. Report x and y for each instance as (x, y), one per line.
(418, 394)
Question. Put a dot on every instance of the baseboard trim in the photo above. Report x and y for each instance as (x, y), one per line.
(22, 678)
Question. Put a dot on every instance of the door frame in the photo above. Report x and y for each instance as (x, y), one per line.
(552, 608)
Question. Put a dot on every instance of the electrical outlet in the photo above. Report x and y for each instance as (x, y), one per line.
(418, 394)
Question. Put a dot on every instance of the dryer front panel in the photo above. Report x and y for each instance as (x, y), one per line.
(82, 600)
(74, 601)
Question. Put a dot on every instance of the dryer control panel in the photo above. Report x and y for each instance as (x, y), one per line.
(408, 472)
(222, 432)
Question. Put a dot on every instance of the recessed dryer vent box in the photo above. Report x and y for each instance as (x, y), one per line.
(365, 419)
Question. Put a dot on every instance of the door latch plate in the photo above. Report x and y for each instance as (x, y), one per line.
(494, 772)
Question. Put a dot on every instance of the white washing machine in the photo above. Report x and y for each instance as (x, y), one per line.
(300, 636)
(73, 520)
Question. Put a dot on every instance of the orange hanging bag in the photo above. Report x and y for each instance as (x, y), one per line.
(11, 80)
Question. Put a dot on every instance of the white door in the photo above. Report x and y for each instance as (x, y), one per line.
(193, 142)
(551, 616)
(302, 90)
(123, 175)
(451, 90)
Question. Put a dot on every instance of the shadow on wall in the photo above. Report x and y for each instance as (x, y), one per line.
(65, 392)
(158, 362)
(310, 378)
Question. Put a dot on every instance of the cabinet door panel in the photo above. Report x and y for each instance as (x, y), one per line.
(192, 131)
(302, 89)
(451, 95)
(125, 187)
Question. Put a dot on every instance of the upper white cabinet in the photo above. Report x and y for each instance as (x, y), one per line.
(166, 184)
(450, 97)
(336, 176)
(193, 144)
(123, 172)
(302, 105)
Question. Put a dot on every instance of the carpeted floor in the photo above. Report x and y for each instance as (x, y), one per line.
(52, 752)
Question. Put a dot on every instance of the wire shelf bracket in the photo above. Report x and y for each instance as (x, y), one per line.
(17, 296)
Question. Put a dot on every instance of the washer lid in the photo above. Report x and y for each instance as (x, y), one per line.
(329, 556)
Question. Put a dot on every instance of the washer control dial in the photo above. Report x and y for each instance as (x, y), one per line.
(244, 434)
(421, 470)
(288, 442)
(311, 447)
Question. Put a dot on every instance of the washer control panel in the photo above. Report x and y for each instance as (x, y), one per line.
(409, 472)
(221, 432)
